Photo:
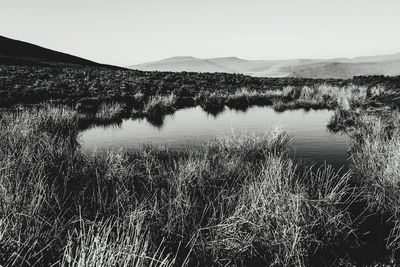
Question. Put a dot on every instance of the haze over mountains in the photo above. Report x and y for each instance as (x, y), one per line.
(307, 68)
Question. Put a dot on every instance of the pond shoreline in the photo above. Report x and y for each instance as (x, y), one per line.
(193, 127)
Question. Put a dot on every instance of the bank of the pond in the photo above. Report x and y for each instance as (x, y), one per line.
(241, 200)
(193, 127)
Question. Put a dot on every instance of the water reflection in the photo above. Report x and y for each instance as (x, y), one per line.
(91, 123)
(214, 111)
(194, 127)
(156, 121)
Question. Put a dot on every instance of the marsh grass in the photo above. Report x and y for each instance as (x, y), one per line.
(109, 111)
(107, 114)
(276, 220)
(322, 97)
(158, 106)
(245, 98)
(113, 242)
(239, 200)
(212, 103)
(155, 108)
(343, 120)
(35, 154)
(375, 162)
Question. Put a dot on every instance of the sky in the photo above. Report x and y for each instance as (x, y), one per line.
(127, 32)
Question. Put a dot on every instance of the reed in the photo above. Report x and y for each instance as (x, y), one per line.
(109, 111)
(239, 200)
(113, 242)
(322, 97)
(160, 105)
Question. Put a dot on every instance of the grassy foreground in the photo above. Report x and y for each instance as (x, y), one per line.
(239, 201)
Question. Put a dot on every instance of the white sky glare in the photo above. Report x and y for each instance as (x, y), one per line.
(126, 32)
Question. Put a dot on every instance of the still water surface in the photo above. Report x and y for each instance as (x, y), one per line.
(193, 127)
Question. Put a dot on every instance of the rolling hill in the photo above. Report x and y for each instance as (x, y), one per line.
(23, 53)
(307, 68)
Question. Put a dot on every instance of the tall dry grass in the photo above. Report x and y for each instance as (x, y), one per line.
(160, 105)
(376, 164)
(239, 200)
(113, 242)
(109, 111)
(322, 96)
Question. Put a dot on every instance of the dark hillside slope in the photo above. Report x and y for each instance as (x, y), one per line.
(22, 53)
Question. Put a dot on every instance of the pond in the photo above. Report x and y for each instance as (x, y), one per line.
(193, 127)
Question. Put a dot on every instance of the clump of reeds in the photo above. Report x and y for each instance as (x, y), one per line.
(254, 146)
(114, 242)
(160, 105)
(106, 114)
(375, 161)
(322, 97)
(244, 98)
(109, 111)
(281, 218)
(212, 103)
(36, 155)
(343, 120)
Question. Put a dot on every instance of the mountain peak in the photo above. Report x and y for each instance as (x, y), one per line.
(180, 57)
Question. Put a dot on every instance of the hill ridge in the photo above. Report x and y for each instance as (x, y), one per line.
(14, 51)
(308, 68)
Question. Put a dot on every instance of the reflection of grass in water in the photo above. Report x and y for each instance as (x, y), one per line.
(91, 123)
(156, 121)
(245, 98)
(107, 115)
(213, 104)
(289, 98)
(239, 108)
(342, 120)
(214, 111)
(185, 102)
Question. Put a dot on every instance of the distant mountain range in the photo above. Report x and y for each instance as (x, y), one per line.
(307, 68)
(22, 53)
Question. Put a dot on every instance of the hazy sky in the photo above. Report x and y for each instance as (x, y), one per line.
(125, 32)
